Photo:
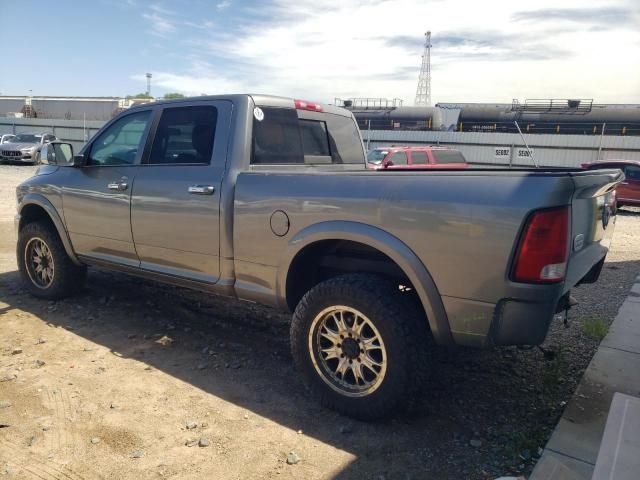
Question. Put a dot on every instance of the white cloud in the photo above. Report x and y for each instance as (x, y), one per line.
(200, 79)
(160, 25)
(161, 10)
(224, 4)
(489, 51)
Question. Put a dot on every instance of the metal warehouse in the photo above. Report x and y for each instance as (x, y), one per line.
(67, 108)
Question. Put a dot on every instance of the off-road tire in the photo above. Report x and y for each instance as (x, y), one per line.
(68, 277)
(402, 326)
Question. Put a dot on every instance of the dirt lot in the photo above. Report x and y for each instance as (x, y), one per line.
(123, 381)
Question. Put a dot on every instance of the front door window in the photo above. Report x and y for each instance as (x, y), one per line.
(120, 143)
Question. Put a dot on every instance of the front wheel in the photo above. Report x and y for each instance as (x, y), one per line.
(46, 269)
(361, 347)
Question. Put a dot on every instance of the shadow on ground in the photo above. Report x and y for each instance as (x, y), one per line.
(507, 399)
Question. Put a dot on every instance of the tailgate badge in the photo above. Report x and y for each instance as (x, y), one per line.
(578, 242)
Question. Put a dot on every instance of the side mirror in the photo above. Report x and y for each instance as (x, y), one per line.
(387, 163)
(79, 160)
(57, 153)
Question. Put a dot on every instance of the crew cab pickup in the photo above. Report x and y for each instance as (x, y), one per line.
(269, 199)
(421, 157)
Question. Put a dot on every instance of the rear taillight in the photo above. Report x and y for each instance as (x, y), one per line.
(304, 105)
(542, 255)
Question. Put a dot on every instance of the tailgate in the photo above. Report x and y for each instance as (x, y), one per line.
(592, 220)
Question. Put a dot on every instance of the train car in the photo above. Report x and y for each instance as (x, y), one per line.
(399, 118)
(615, 119)
(568, 117)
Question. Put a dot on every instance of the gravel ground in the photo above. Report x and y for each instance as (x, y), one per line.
(132, 379)
(10, 176)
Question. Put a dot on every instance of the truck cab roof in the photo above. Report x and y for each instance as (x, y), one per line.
(258, 99)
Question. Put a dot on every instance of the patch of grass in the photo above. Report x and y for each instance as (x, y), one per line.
(595, 328)
(529, 441)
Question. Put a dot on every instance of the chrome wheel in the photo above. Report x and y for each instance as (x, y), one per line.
(39, 262)
(347, 351)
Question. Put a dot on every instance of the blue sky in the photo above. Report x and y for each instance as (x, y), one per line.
(492, 50)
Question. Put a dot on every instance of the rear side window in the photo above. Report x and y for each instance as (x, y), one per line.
(344, 139)
(184, 136)
(276, 139)
(419, 158)
(282, 137)
(448, 156)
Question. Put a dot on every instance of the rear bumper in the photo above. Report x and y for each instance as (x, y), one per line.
(527, 323)
(511, 321)
(521, 323)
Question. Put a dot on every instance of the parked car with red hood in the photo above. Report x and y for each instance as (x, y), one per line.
(628, 191)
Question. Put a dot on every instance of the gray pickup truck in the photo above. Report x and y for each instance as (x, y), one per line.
(268, 199)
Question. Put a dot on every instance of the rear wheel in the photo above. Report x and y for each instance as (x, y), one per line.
(45, 268)
(358, 344)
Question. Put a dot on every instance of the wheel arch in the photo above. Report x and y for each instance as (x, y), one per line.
(34, 207)
(379, 240)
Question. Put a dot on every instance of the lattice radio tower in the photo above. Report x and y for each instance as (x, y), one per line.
(423, 92)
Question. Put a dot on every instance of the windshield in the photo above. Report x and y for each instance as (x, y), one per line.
(27, 138)
(376, 156)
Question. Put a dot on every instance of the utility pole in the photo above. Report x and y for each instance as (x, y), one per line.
(423, 92)
(148, 75)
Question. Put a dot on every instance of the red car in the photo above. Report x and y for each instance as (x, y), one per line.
(424, 157)
(628, 192)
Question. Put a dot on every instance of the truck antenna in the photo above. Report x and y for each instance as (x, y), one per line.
(525, 144)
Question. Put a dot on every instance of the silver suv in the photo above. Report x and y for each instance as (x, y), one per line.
(25, 147)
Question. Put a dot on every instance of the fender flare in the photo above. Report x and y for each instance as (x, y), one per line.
(386, 243)
(42, 202)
